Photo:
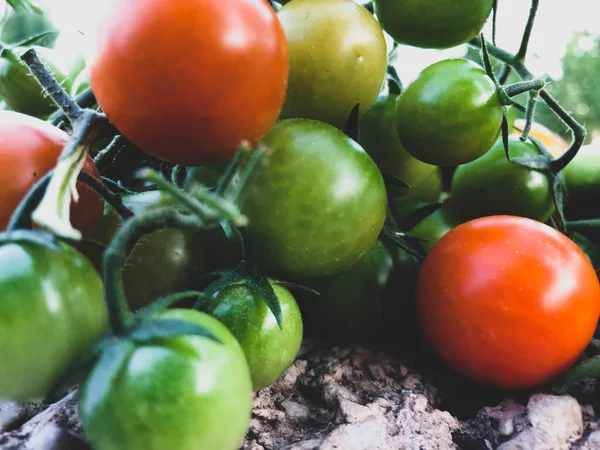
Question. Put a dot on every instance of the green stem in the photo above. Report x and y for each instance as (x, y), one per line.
(584, 225)
(107, 155)
(578, 130)
(117, 253)
(86, 99)
(21, 218)
(521, 87)
(50, 86)
(530, 113)
(520, 56)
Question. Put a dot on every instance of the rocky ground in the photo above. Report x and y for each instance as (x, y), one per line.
(352, 398)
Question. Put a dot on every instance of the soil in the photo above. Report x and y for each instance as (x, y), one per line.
(357, 398)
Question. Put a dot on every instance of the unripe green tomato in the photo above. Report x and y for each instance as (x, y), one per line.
(338, 58)
(379, 137)
(435, 226)
(492, 185)
(432, 24)
(582, 177)
(450, 115)
(21, 91)
(427, 191)
(269, 349)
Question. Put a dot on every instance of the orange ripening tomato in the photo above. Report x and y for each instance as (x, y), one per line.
(188, 81)
(29, 149)
(555, 144)
(508, 301)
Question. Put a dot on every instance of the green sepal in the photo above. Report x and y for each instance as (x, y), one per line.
(148, 312)
(393, 180)
(166, 328)
(264, 288)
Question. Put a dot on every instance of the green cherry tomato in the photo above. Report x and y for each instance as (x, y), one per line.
(435, 226)
(317, 202)
(379, 138)
(432, 24)
(338, 58)
(582, 177)
(21, 91)
(52, 310)
(269, 350)
(450, 115)
(492, 185)
(170, 260)
(351, 304)
(184, 393)
(427, 191)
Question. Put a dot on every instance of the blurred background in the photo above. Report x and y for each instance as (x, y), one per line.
(565, 48)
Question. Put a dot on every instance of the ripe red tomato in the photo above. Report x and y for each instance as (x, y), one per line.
(188, 81)
(508, 301)
(29, 149)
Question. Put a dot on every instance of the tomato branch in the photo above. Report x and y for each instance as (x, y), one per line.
(521, 87)
(520, 56)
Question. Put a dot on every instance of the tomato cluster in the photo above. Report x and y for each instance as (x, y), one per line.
(348, 228)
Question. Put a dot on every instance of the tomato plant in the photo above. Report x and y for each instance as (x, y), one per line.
(52, 310)
(269, 349)
(29, 148)
(351, 304)
(379, 138)
(338, 58)
(508, 301)
(492, 185)
(317, 202)
(184, 392)
(444, 24)
(169, 260)
(191, 97)
(451, 114)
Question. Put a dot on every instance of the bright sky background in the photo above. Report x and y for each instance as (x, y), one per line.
(557, 20)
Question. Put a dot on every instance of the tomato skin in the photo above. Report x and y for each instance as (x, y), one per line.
(52, 310)
(379, 137)
(583, 183)
(167, 261)
(269, 350)
(351, 304)
(317, 202)
(29, 148)
(184, 393)
(338, 58)
(435, 226)
(450, 114)
(492, 185)
(427, 24)
(508, 301)
(188, 82)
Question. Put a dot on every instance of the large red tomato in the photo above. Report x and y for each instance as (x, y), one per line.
(508, 301)
(29, 149)
(187, 81)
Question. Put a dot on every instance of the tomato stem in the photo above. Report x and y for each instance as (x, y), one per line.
(86, 99)
(530, 113)
(50, 86)
(521, 87)
(520, 56)
(578, 130)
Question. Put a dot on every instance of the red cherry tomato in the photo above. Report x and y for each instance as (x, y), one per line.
(29, 149)
(508, 301)
(188, 81)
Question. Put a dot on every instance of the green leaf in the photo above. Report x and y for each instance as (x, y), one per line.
(404, 242)
(106, 371)
(295, 286)
(166, 328)
(264, 288)
(584, 370)
(351, 127)
(36, 39)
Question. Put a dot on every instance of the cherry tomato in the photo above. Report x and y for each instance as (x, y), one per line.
(317, 202)
(508, 301)
(269, 350)
(552, 141)
(583, 183)
(442, 24)
(379, 138)
(435, 226)
(187, 83)
(167, 261)
(21, 91)
(351, 304)
(427, 191)
(52, 310)
(492, 185)
(184, 393)
(29, 148)
(451, 114)
(338, 58)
